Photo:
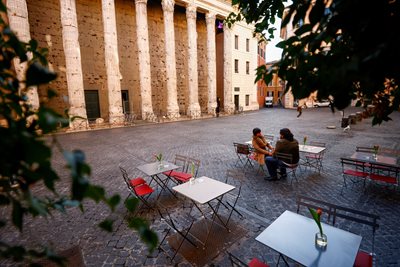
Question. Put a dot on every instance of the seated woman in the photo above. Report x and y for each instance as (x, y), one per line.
(260, 146)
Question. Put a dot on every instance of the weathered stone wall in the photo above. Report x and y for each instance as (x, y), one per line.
(202, 61)
(157, 56)
(181, 47)
(127, 49)
(91, 41)
(45, 27)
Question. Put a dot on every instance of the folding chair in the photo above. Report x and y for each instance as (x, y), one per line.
(134, 181)
(179, 176)
(180, 225)
(353, 170)
(252, 157)
(255, 262)
(363, 258)
(243, 153)
(384, 174)
(315, 160)
(287, 160)
(138, 188)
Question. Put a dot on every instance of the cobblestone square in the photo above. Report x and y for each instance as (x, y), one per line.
(211, 141)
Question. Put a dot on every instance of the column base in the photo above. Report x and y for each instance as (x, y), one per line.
(212, 108)
(194, 111)
(229, 108)
(149, 116)
(79, 124)
(173, 113)
(117, 119)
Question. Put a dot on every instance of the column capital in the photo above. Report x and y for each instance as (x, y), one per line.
(210, 17)
(168, 5)
(191, 11)
(141, 2)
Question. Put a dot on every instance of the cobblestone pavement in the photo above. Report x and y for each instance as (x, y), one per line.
(211, 141)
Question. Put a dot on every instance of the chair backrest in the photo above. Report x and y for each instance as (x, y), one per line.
(353, 164)
(126, 177)
(319, 144)
(364, 149)
(234, 176)
(242, 148)
(181, 160)
(190, 163)
(386, 171)
(287, 159)
(335, 211)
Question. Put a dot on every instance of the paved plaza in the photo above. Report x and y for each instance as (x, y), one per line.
(211, 141)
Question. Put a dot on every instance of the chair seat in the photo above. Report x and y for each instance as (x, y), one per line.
(136, 181)
(355, 173)
(181, 176)
(143, 190)
(257, 263)
(383, 178)
(313, 156)
(363, 259)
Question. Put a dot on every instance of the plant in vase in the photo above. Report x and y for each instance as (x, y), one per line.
(192, 172)
(304, 140)
(376, 150)
(320, 238)
(159, 158)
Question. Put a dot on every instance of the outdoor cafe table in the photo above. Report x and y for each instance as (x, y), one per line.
(311, 149)
(154, 169)
(314, 150)
(369, 158)
(202, 191)
(293, 235)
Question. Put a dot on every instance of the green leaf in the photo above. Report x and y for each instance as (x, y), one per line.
(96, 193)
(131, 204)
(113, 202)
(38, 74)
(17, 214)
(107, 225)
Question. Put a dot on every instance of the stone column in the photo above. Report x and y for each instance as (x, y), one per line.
(18, 18)
(229, 106)
(169, 31)
(112, 62)
(211, 63)
(72, 52)
(194, 107)
(142, 33)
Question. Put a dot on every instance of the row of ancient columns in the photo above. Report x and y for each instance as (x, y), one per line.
(18, 16)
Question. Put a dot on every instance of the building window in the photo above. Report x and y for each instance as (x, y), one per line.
(236, 65)
(236, 42)
(237, 89)
(247, 67)
(247, 100)
(247, 45)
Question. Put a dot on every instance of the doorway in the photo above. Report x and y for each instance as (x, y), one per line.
(236, 102)
(92, 104)
(125, 101)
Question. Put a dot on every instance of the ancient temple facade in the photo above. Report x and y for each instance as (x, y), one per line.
(152, 58)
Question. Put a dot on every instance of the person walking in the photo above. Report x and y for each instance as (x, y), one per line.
(217, 109)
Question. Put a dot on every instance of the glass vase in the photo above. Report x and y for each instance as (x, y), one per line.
(321, 240)
(160, 165)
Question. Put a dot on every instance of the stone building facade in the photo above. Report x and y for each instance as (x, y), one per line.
(153, 58)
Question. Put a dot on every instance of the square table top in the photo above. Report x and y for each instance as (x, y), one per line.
(293, 235)
(154, 168)
(369, 157)
(311, 149)
(203, 190)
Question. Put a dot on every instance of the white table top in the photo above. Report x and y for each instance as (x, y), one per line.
(293, 235)
(203, 190)
(311, 149)
(151, 169)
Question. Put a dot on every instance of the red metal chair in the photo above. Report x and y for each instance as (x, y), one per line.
(134, 181)
(353, 170)
(186, 163)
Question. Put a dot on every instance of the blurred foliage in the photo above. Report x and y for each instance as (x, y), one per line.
(344, 49)
(25, 158)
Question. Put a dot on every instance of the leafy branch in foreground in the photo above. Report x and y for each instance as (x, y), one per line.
(344, 49)
(25, 161)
